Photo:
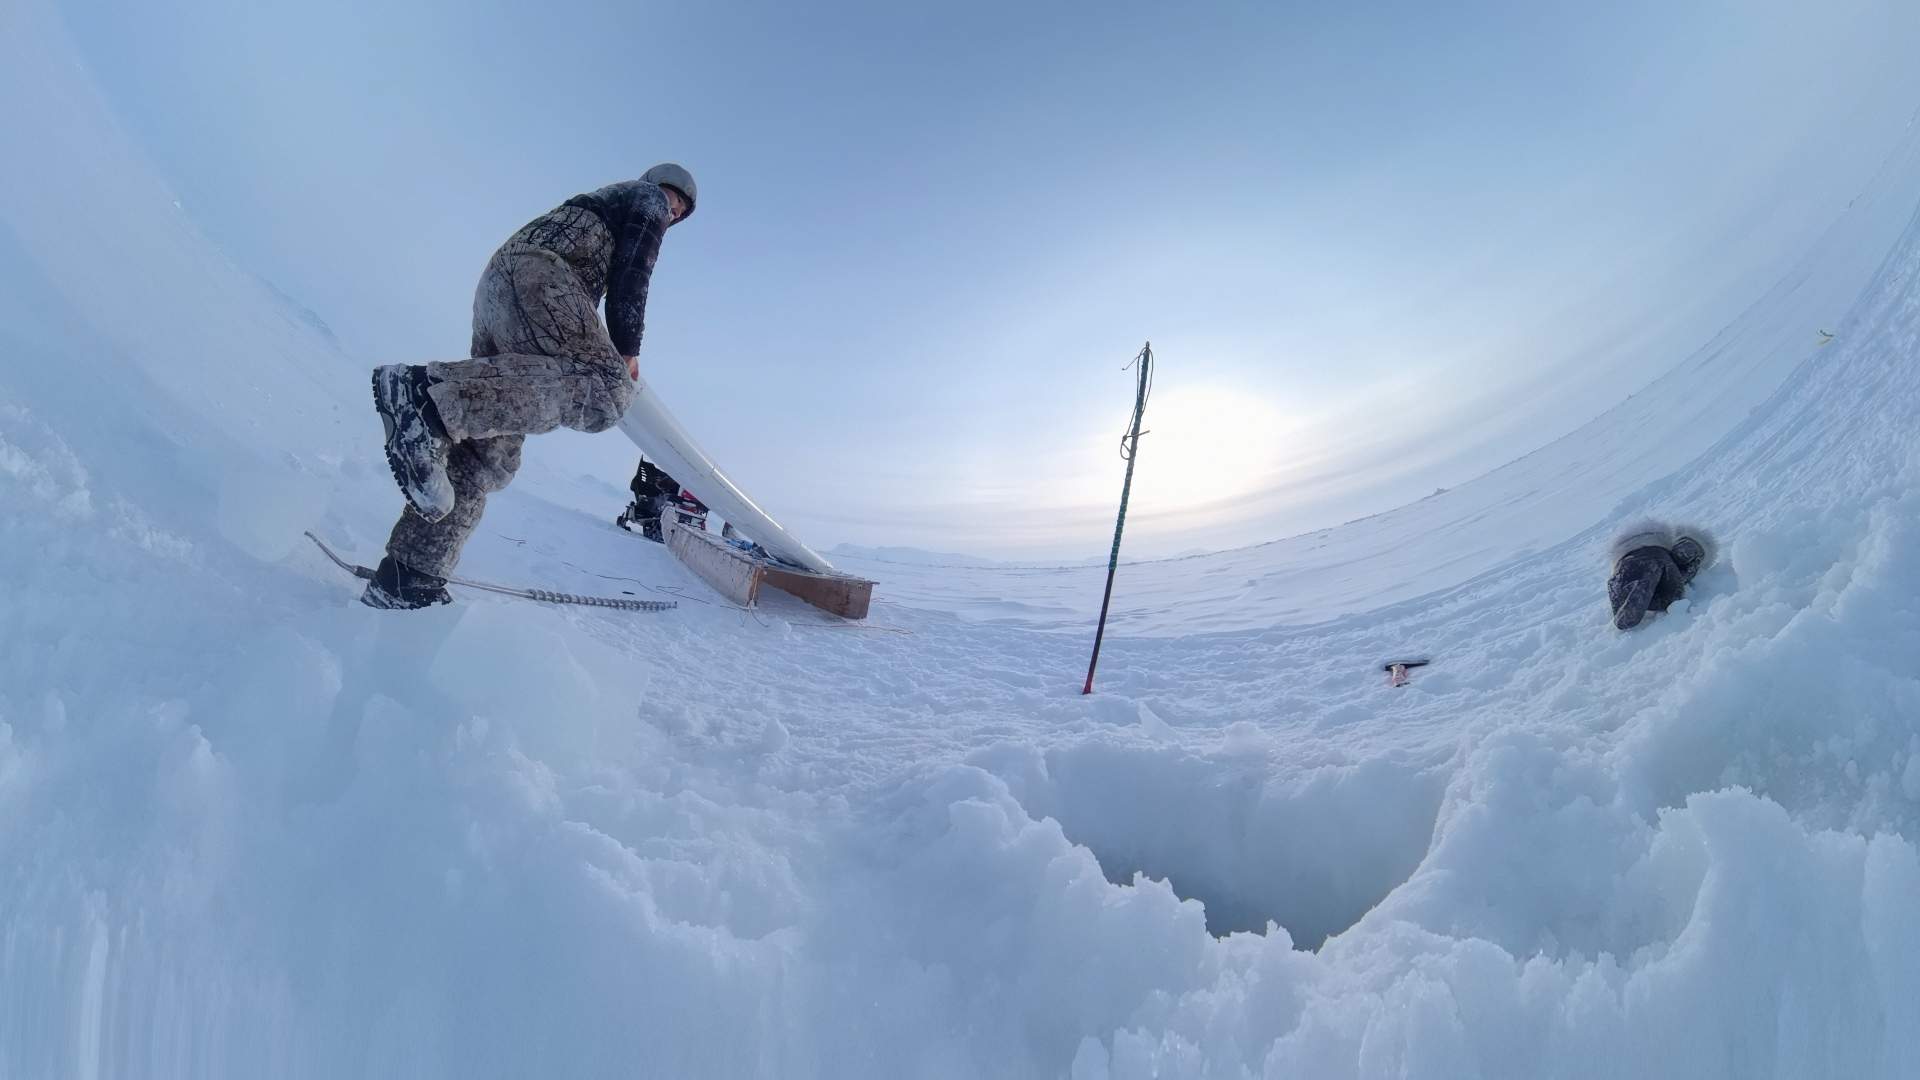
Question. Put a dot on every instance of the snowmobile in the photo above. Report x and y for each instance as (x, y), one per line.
(645, 513)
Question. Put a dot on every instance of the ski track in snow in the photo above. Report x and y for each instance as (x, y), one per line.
(249, 828)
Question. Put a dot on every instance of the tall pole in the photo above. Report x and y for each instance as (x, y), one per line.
(1129, 449)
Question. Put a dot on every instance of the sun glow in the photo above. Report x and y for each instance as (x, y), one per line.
(1205, 445)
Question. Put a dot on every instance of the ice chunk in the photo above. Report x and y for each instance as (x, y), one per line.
(263, 509)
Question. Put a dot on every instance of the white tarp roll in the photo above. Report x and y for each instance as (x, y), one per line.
(659, 436)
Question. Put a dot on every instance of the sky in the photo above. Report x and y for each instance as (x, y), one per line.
(1379, 248)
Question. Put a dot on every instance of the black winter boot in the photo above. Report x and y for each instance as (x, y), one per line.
(417, 442)
(396, 586)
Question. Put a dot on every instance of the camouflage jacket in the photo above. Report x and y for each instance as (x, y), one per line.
(611, 238)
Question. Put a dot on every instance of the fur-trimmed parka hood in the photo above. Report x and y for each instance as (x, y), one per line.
(1659, 534)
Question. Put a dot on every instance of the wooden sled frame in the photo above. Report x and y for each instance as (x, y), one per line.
(738, 576)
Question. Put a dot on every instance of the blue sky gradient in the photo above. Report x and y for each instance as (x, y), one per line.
(1379, 248)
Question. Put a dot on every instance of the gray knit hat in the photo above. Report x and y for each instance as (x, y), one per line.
(667, 174)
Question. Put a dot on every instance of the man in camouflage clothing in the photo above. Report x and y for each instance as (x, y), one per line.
(541, 359)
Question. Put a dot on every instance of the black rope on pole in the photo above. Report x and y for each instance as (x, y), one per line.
(1129, 449)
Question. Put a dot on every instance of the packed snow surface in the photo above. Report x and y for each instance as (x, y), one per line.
(249, 828)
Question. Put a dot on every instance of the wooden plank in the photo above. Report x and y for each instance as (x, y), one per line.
(731, 573)
(738, 576)
(847, 597)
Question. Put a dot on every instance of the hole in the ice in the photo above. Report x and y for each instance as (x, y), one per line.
(1312, 852)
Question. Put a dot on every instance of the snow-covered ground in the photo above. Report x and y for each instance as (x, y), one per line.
(249, 828)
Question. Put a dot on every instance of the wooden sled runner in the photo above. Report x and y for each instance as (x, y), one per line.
(738, 576)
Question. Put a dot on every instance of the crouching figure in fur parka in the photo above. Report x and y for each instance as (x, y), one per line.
(1652, 565)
